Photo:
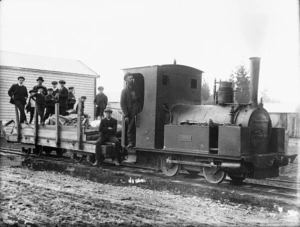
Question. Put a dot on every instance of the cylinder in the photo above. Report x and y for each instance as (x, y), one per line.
(254, 78)
(225, 92)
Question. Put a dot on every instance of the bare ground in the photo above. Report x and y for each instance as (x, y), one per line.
(49, 199)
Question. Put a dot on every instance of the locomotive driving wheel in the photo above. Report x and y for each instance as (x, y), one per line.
(214, 175)
(169, 169)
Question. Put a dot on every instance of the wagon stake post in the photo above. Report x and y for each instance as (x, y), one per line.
(18, 123)
(57, 141)
(79, 127)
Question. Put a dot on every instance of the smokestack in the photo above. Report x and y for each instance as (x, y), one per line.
(254, 77)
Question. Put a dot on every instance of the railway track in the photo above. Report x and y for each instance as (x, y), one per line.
(270, 186)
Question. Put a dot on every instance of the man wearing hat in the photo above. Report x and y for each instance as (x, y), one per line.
(71, 99)
(40, 81)
(40, 103)
(30, 107)
(54, 87)
(131, 106)
(62, 96)
(18, 94)
(100, 102)
(82, 100)
(50, 104)
(108, 129)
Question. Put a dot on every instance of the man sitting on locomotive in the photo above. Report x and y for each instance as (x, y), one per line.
(108, 129)
(131, 106)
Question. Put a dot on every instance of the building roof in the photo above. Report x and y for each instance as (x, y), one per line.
(26, 61)
(281, 107)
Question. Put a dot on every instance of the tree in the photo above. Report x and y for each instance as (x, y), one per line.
(205, 91)
(242, 84)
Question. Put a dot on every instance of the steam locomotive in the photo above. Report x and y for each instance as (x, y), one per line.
(174, 131)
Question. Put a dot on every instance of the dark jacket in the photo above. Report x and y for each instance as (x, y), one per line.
(105, 124)
(45, 92)
(40, 100)
(82, 108)
(101, 100)
(50, 100)
(19, 93)
(63, 97)
(71, 99)
(130, 101)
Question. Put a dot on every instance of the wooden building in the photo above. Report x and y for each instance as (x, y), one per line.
(286, 116)
(75, 73)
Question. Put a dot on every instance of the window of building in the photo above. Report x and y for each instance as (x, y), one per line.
(165, 79)
(193, 83)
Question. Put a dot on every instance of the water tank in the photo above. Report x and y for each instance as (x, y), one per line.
(225, 92)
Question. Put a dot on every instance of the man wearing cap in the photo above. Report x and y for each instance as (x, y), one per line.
(50, 104)
(54, 87)
(131, 106)
(71, 99)
(62, 96)
(30, 107)
(100, 102)
(82, 99)
(40, 81)
(108, 129)
(18, 94)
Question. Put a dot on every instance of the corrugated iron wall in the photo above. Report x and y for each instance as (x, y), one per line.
(289, 121)
(84, 85)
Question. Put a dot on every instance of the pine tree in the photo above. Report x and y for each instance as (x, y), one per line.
(242, 84)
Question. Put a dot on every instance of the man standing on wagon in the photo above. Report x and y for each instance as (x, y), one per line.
(131, 106)
(62, 96)
(100, 102)
(40, 81)
(18, 96)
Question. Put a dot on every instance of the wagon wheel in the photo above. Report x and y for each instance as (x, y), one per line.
(59, 152)
(48, 152)
(78, 159)
(169, 169)
(39, 150)
(91, 158)
(26, 151)
(214, 175)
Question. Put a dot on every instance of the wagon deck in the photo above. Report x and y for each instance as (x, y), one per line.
(65, 138)
(76, 138)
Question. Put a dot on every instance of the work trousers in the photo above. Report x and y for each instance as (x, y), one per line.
(131, 129)
(107, 138)
(63, 110)
(21, 108)
(31, 111)
(50, 110)
(99, 112)
(40, 112)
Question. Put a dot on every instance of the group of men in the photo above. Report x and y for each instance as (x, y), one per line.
(41, 98)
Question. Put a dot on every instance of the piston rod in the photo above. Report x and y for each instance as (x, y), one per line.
(231, 165)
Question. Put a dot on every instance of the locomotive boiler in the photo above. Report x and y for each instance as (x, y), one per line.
(174, 131)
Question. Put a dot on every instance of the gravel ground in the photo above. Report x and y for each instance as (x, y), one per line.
(49, 198)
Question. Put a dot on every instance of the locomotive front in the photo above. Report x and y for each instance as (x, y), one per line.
(241, 140)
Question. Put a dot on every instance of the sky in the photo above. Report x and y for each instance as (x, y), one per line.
(214, 36)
